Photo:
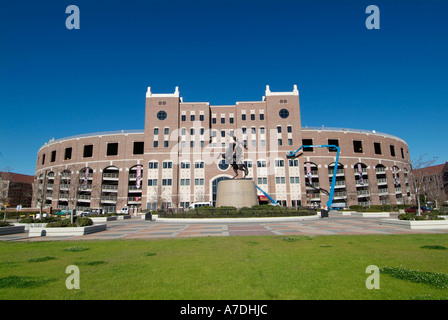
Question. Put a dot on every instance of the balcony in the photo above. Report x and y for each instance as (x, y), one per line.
(339, 172)
(363, 193)
(380, 170)
(134, 189)
(382, 181)
(339, 184)
(365, 183)
(134, 200)
(108, 199)
(109, 188)
(84, 198)
(383, 191)
(64, 187)
(340, 195)
(110, 176)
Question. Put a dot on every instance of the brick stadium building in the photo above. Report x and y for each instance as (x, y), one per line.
(176, 160)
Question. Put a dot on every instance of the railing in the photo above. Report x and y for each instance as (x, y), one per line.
(110, 175)
(383, 191)
(363, 192)
(382, 181)
(108, 198)
(109, 187)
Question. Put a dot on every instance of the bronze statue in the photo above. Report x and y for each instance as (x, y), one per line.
(233, 157)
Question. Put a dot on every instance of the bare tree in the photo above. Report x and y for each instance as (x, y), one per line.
(417, 178)
(434, 188)
(5, 180)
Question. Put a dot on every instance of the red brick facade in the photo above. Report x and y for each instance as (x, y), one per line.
(179, 154)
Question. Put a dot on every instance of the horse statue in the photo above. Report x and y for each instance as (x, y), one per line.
(233, 156)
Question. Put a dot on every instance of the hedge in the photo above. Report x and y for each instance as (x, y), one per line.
(232, 212)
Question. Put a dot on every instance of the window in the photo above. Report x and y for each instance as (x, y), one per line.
(184, 117)
(166, 144)
(290, 142)
(167, 182)
(167, 165)
(295, 180)
(214, 120)
(156, 131)
(162, 103)
(279, 163)
(152, 182)
(202, 130)
(199, 165)
(53, 156)
(261, 116)
(334, 142)
(43, 158)
(248, 163)
(252, 116)
(223, 133)
(112, 149)
(253, 130)
(262, 131)
(279, 129)
(357, 146)
(192, 131)
(223, 120)
(263, 180)
(88, 151)
(402, 153)
(280, 142)
(243, 117)
(281, 180)
(289, 129)
(283, 101)
(283, 113)
(185, 165)
(261, 164)
(254, 143)
(167, 131)
(68, 154)
(199, 182)
(231, 120)
(191, 144)
(293, 163)
(377, 147)
(153, 165)
(308, 142)
(263, 143)
(243, 130)
(202, 144)
(184, 182)
(161, 115)
(223, 165)
(156, 144)
(392, 150)
(192, 117)
(183, 144)
(201, 117)
(138, 147)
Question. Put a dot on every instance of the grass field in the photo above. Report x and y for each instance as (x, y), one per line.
(255, 267)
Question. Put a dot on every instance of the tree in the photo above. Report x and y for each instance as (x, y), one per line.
(417, 178)
(5, 178)
(434, 188)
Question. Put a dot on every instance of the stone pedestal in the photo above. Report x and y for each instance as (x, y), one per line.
(237, 193)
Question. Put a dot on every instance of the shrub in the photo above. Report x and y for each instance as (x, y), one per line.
(5, 224)
(77, 222)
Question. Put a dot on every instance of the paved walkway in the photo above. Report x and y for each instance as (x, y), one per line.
(136, 228)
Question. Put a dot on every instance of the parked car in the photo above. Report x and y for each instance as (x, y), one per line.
(199, 204)
(124, 210)
(63, 212)
(84, 213)
(414, 209)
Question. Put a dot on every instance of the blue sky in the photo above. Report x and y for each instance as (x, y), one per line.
(56, 82)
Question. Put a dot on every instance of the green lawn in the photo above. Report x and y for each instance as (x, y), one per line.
(255, 267)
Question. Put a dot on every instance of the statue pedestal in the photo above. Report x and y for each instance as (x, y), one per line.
(237, 193)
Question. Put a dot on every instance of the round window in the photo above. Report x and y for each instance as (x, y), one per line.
(283, 113)
(161, 115)
(222, 165)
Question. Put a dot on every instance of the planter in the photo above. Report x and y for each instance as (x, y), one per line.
(11, 230)
(124, 216)
(103, 219)
(371, 214)
(64, 232)
(28, 226)
(421, 224)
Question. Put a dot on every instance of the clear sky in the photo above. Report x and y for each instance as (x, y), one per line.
(56, 82)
